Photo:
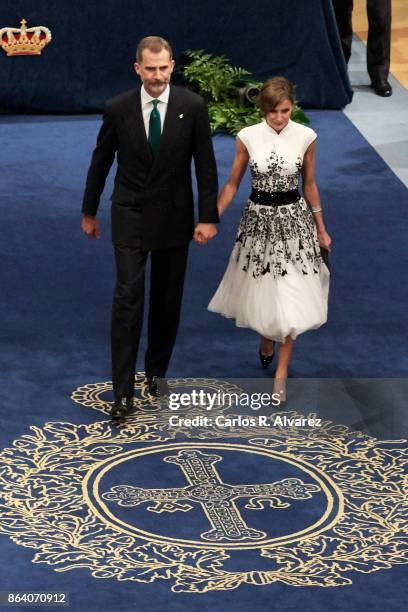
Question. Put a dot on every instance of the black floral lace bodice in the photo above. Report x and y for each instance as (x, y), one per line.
(275, 177)
(270, 238)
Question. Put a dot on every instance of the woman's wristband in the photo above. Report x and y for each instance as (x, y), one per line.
(316, 209)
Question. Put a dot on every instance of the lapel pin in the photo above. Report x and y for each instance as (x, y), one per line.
(181, 116)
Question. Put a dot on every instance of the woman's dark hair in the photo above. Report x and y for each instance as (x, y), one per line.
(275, 91)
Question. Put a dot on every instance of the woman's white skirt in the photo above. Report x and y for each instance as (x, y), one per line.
(275, 307)
(276, 281)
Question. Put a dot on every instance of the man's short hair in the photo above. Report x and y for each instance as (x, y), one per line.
(155, 44)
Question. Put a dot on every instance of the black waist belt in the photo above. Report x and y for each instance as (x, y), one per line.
(276, 198)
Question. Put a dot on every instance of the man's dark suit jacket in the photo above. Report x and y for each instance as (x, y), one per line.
(161, 186)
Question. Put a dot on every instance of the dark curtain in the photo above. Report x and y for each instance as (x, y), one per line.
(91, 55)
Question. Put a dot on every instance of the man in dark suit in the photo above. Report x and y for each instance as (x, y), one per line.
(155, 131)
(378, 42)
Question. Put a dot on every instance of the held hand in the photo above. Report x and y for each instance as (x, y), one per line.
(324, 239)
(90, 226)
(204, 232)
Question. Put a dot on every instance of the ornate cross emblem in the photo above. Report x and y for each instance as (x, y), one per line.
(215, 497)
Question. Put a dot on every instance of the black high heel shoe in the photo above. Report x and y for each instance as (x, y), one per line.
(266, 360)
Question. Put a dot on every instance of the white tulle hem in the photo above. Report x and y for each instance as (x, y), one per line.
(275, 307)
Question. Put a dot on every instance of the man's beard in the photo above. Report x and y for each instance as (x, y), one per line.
(157, 87)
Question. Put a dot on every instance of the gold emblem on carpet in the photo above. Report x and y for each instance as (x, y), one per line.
(216, 499)
(77, 495)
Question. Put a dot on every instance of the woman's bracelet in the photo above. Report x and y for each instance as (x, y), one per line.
(316, 209)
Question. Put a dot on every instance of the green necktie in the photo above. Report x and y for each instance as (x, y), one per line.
(154, 128)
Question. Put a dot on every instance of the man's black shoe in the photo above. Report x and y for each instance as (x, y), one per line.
(157, 387)
(122, 406)
(382, 88)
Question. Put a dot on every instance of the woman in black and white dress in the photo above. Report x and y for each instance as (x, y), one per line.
(276, 281)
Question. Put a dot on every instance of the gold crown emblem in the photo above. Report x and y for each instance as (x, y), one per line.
(24, 41)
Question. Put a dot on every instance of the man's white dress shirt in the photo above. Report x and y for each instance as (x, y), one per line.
(147, 106)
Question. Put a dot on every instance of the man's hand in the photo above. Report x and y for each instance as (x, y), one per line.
(204, 232)
(90, 226)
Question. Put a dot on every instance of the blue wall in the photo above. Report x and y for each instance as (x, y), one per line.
(91, 55)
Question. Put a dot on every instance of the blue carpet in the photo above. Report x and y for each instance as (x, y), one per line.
(58, 285)
(57, 289)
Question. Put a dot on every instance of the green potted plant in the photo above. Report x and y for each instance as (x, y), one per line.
(229, 91)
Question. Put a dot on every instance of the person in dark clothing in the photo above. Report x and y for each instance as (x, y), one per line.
(378, 42)
(155, 131)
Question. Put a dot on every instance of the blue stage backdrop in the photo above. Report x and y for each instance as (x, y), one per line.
(90, 57)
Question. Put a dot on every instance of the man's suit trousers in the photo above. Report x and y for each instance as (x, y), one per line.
(168, 268)
(379, 34)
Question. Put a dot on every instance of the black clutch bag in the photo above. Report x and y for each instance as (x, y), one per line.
(326, 257)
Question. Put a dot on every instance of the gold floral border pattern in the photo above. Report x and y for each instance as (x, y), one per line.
(42, 504)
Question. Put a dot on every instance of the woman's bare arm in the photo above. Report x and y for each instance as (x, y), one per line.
(237, 172)
(311, 194)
